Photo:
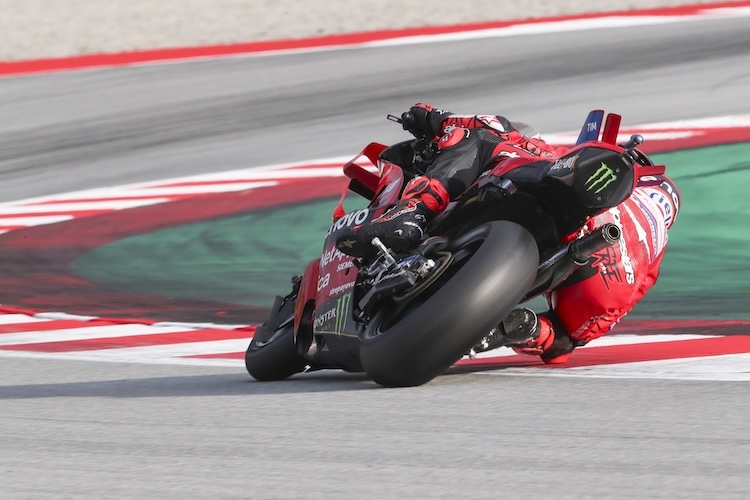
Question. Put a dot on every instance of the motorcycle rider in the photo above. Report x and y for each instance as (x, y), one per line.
(589, 303)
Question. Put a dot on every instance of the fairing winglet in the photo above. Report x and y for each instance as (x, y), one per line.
(363, 182)
(611, 129)
(590, 129)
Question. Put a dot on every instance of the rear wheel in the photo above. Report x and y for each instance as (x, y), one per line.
(410, 344)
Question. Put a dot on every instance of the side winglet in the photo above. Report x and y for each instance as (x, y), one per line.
(590, 129)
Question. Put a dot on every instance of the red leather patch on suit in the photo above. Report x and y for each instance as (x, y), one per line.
(452, 138)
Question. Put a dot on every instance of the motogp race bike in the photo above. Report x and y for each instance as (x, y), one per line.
(404, 318)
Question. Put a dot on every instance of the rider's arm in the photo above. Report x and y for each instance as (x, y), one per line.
(425, 121)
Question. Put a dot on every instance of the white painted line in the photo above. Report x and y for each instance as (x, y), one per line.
(165, 351)
(81, 206)
(17, 319)
(65, 316)
(627, 339)
(701, 123)
(570, 138)
(730, 11)
(33, 221)
(606, 341)
(254, 174)
(84, 333)
(541, 28)
(90, 356)
(722, 368)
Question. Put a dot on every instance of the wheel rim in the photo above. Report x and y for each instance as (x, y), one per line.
(464, 247)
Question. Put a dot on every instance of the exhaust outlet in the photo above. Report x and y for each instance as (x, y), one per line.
(611, 233)
(582, 249)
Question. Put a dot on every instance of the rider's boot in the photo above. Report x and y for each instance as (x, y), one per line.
(402, 226)
(534, 335)
(528, 333)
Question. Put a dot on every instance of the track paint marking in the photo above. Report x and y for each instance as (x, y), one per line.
(29, 338)
(157, 337)
(32, 221)
(32, 325)
(17, 319)
(82, 206)
(678, 346)
(687, 357)
(727, 368)
(160, 354)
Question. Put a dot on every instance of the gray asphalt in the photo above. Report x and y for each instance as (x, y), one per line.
(96, 430)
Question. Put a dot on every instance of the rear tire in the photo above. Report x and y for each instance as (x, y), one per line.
(408, 345)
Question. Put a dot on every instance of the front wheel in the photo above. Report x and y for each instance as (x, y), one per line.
(272, 353)
(410, 344)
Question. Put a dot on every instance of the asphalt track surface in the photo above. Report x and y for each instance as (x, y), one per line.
(96, 430)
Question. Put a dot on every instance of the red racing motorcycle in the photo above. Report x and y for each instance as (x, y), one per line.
(404, 318)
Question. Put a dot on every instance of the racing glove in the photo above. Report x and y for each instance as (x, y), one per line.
(423, 121)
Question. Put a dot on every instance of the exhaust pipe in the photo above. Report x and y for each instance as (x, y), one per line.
(583, 248)
(557, 267)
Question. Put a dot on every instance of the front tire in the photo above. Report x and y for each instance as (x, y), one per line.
(272, 353)
(408, 345)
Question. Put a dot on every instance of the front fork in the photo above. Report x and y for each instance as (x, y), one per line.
(308, 290)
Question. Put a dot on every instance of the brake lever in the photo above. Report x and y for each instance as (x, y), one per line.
(395, 118)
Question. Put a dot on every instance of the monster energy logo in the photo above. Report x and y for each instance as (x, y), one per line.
(602, 178)
(342, 312)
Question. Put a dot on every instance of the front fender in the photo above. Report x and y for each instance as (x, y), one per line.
(308, 289)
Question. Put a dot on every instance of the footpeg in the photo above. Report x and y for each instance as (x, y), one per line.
(390, 261)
